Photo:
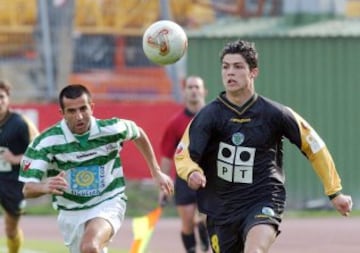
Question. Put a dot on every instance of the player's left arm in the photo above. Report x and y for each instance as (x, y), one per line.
(316, 151)
(144, 145)
(321, 160)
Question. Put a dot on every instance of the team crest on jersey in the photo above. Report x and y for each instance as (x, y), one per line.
(237, 138)
(87, 181)
(26, 165)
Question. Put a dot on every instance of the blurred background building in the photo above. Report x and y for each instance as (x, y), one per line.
(46, 44)
(309, 58)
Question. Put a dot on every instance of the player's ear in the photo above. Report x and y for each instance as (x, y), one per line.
(254, 72)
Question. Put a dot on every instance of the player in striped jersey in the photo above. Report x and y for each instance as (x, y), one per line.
(232, 155)
(77, 161)
(16, 132)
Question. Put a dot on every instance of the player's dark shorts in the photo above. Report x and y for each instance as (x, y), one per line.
(231, 237)
(11, 197)
(183, 194)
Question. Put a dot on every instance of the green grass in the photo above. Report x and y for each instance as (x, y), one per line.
(142, 198)
(47, 247)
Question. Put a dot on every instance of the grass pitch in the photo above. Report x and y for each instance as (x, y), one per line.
(37, 246)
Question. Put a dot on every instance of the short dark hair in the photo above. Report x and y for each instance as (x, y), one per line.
(245, 48)
(73, 91)
(6, 86)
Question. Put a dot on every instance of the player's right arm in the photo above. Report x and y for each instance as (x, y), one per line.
(186, 168)
(192, 146)
(34, 173)
(52, 185)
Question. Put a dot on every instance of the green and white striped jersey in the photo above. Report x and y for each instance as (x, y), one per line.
(93, 168)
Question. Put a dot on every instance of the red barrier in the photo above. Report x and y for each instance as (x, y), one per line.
(152, 117)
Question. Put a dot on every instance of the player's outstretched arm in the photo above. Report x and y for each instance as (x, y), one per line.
(343, 204)
(144, 146)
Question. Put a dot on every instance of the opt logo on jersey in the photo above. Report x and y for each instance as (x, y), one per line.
(235, 163)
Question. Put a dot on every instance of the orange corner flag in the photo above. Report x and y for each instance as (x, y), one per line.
(142, 229)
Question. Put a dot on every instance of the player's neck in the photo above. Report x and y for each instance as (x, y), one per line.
(239, 98)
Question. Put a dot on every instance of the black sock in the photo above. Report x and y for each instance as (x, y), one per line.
(204, 237)
(189, 242)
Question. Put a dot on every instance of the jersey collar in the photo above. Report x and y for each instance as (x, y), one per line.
(237, 109)
(69, 136)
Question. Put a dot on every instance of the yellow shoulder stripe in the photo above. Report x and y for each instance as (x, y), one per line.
(183, 162)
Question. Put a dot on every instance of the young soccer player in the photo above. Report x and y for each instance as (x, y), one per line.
(77, 161)
(232, 155)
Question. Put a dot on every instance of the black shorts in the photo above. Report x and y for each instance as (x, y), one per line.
(11, 197)
(183, 194)
(231, 237)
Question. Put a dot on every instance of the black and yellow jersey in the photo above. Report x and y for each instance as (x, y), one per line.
(16, 133)
(240, 149)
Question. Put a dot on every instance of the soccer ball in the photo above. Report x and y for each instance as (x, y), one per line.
(164, 42)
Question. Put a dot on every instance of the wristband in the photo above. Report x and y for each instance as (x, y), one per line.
(332, 196)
